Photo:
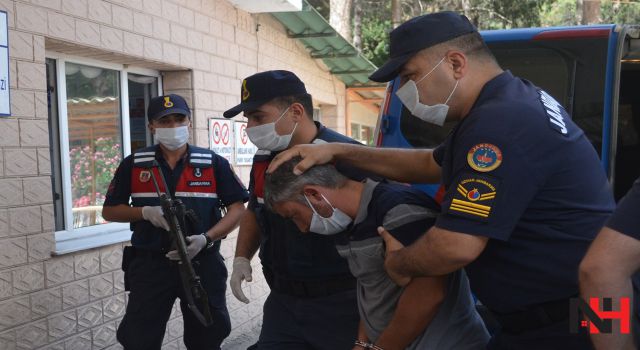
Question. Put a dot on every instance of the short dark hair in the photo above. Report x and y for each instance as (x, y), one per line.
(283, 185)
(304, 99)
(471, 44)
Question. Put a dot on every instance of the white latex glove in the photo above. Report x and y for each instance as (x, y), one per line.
(195, 243)
(155, 216)
(241, 271)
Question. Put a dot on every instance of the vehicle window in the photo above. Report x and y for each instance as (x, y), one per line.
(570, 70)
(566, 69)
(628, 141)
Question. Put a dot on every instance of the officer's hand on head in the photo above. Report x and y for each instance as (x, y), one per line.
(241, 271)
(155, 216)
(311, 155)
(195, 243)
(392, 246)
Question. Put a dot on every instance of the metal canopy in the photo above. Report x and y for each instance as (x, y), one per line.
(323, 42)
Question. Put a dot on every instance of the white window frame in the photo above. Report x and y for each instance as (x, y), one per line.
(75, 239)
(359, 136)
(317, 114)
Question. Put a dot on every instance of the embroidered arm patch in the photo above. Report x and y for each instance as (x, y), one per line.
(473, 196)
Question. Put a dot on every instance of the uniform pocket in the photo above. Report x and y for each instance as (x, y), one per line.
(366, 258)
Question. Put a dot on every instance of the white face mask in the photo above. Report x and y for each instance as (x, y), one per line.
(172, 138)
(336, 223)
(410, 97)
(265, 136)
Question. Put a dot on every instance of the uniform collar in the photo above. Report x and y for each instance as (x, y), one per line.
(320, 130)
(489, 89)
(160, 157)
(365, 199)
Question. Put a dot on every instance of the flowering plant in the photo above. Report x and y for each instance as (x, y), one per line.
(92, 167)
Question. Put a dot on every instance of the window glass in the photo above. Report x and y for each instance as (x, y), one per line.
(366, 135)
(95, 141)
(141, 89)
(572, 71)
(362, 133)
(355, 131)
(628, 142)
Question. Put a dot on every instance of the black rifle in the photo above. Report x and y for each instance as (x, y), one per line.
(175, 212)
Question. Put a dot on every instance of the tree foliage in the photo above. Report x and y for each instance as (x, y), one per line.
(627, 12)
(375, 40)
(485, 14)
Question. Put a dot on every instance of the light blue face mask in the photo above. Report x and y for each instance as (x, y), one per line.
(336, 223)
(265, 136)
(172, 138)
(410, 97)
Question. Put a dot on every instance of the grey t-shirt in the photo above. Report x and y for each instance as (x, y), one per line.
(406, 213)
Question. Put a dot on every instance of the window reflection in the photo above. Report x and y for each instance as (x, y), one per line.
(141, 90)
(95, 141)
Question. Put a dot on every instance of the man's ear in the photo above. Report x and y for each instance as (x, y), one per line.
(311, 191)
(458, 61)
(151, 129)
(313, 194)
(297, 112)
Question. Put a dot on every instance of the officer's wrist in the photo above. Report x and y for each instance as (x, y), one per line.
(209, 242)
(366, 345)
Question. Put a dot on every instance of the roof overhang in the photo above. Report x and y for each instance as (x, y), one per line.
(323, 42)
(259, 6)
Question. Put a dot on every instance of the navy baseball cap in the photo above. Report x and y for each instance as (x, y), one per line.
(420, 33)
(262, 87)
(168, 104)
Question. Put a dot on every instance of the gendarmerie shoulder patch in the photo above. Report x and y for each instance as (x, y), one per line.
(145, 176)
(474, 196)
(484, 157)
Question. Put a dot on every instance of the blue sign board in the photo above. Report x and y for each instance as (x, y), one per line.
(5, 100)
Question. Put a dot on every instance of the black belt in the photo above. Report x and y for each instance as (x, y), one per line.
(161, 253)
(534, 317)
(308, 288)
(149, 254)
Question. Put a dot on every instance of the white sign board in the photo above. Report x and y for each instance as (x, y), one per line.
(5, 101)
(244, 148)
(220, 137)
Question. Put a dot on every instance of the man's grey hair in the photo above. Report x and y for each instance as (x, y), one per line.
(283, 185)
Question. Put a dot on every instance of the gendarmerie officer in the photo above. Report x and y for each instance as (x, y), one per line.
(203, 181)
(312, 303)
(525, 191)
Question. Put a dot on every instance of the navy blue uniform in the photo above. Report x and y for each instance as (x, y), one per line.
(203, 181)
(517, 170)
(626, 219)
(312, 303)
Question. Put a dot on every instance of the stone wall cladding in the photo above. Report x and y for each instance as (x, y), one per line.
(76, 300)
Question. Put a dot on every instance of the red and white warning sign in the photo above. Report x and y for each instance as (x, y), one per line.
(225, 134)
(244, 148)
(215, 132)
(220, 137)
(243, 134)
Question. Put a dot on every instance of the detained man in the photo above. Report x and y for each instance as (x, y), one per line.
(429, 312)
